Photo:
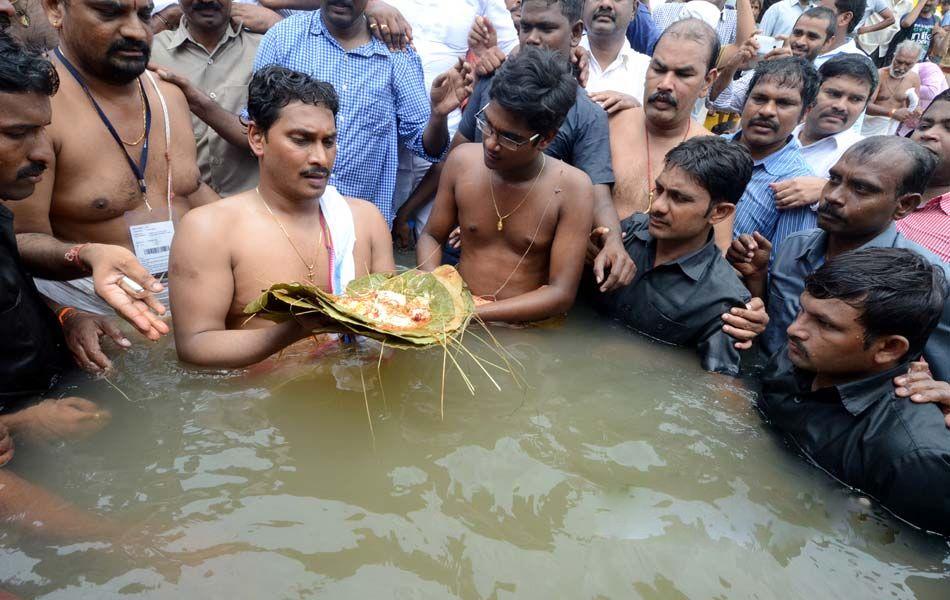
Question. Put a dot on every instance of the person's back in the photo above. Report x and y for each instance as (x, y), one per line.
(865, 315)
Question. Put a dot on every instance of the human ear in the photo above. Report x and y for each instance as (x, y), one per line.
(256, 138)
(577, 32)
(721, 211)
(708, 81)
(54, 10)
(890, 349)
(906, 204)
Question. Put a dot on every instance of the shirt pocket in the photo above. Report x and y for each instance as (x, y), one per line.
(658, 322)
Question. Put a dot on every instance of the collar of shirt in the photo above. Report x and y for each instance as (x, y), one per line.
(773, 162)
(693, 265)
(813, 251)
(626, 54)
(848, 47)
(182, 35)
(373, 47)
(939, 202)
(842, 137)
(855, 396)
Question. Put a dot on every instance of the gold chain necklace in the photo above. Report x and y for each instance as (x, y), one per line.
(310, 267)
(144, 121)
(491, 186)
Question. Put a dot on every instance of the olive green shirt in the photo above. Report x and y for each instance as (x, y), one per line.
(224, 75)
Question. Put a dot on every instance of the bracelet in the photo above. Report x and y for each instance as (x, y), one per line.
(64, 313)
(72, 256)
(890, 115)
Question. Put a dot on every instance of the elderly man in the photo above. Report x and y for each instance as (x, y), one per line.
(898, 94)
(617, 71)
(209, 56)
(113, 119)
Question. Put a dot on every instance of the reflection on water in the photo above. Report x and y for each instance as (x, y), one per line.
(623, 472)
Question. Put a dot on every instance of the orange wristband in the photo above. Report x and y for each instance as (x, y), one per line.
(64, 313)
(72, 256)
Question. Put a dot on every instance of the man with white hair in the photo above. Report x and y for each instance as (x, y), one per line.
(898, 93)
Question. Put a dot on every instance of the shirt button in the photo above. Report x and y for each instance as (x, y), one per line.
(210, 61)
(212, 95)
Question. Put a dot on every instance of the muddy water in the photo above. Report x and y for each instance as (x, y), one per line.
(623, 471)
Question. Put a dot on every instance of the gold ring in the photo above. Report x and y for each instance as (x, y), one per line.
(384, 26)
(372, 25)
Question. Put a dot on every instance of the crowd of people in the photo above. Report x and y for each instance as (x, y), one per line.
(557, 151)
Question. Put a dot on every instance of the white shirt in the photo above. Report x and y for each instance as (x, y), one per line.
(848, 48)
(873, 7)
(780, 18)
(626, 74)
(823, 154)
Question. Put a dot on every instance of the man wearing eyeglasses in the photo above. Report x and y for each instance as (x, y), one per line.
(524, 216)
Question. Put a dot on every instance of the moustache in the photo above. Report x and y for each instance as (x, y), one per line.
(833, 112)
(124, 45)
(764, 123)
(316, 172)
(340, 3)
(663, 97)
(200, 6)
(601, 12)
(798, 346)
(35, 169)
(828, 211)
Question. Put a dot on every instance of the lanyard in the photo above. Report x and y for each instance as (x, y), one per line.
(137, 171)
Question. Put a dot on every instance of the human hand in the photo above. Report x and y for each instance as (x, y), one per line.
(482, 36)
(613, 267)
(451, 88)
(797, 192)
(745, 55)
(782, 52)
(489, 62)
(388, 25)
(745, 324)
(255, 17)
(83, 332)
(902, 114)
(614, 102)
(455, 238)
(749, 254)
(110, 266)
(919, 385)
(66, 418)
(402, 233)
(6, 445)
(581, 59)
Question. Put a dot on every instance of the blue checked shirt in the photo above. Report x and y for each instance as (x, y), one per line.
(669, 13)
(383, 102)
(756, 210)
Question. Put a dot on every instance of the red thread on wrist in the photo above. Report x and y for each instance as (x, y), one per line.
(72, 256)
(64, 313)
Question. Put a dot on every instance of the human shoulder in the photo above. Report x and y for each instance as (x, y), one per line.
(362, 210)
(902, 241)
(215, 220)
(574, 178)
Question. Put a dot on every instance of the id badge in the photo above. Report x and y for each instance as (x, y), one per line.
(152, 243)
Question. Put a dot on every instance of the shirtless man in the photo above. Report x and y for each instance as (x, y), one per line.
(292, 228)
(680, 72)
(891, 105)
(96, 191)
(525, 217)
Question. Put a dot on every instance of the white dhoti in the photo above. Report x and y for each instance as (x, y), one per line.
(81, 294)
(879, 126)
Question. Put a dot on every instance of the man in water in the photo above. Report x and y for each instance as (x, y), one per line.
(114, 176)
(929, 225)
(898, 94)
(523, 251)
(877, 181)
(683, 284)
(864, 316)
(780, 93)
(294, 227)
(847, 83)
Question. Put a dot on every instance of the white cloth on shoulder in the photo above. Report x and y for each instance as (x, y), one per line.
(879, 126)
(339, 218)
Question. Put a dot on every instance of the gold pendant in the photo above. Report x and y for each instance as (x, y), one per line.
(501, 224)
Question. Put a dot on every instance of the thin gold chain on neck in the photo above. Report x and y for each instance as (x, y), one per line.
(491, 186)
(311, 266)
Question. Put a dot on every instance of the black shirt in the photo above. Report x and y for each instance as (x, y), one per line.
(681, 302)
(866, 436)
(32, 350)
(583, 141)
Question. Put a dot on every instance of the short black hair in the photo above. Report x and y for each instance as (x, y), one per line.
(697, 31)
(22, 71)
(272, 88)
(826, 14)
(943, 96)
(851, 65)
(722, 167)
(922, 162)
(538, 86)
(573, 10)
(898, 292)
(789, 71)
(856, 8)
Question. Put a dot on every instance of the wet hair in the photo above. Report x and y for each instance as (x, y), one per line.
(538, 86)
(272, 88)
(825, 14)
(792, 72)
(898, 292)
(24, 72)
(697, 31)
(855, 7)
(723, 168)
(921, 163)
(572, 10)
(851, 65)
(908, 45)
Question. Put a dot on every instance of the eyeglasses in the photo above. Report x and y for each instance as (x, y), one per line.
(505, 140)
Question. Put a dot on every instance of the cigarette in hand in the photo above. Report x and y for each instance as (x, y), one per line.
(132, 285)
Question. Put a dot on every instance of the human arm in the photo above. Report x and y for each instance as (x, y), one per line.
(914, 486)
(83, 333)
(165, 19)
(749, 255)
(745, 22)
(887, 19)
(565, 267)
(613, 102)
(746, 324)
(919, 385)
(255, 17)
(442, 220)
(613, 267)
(908, 19)
(372, 224)
(798, 192)
(733, 60)
(200, 265)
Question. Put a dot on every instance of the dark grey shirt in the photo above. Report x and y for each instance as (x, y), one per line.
(583, 140)
(802, 253)
(681, 302)
(867, 437)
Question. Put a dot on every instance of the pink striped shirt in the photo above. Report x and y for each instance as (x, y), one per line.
(929, 226)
